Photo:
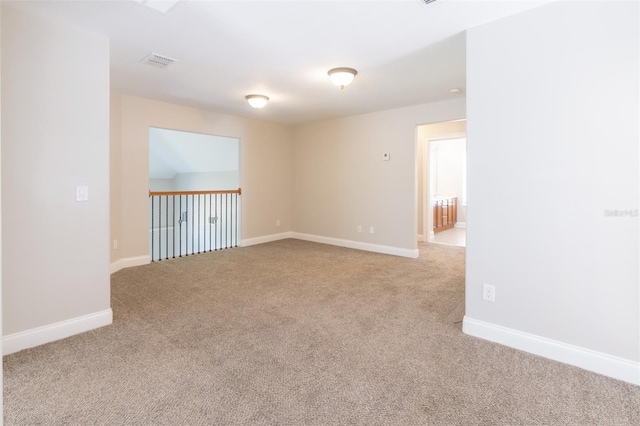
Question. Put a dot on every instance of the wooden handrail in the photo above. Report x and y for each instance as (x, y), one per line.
(224, 191)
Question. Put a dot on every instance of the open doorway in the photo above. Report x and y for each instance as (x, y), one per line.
(442, 206)
(194, 193)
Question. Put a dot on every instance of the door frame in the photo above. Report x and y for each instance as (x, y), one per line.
(427, 211)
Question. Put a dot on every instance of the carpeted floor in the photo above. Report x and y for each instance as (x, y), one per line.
(297, 333)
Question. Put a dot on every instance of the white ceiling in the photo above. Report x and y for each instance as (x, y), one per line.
(406, 52)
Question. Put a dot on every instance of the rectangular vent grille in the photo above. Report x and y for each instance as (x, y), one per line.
(158, 61)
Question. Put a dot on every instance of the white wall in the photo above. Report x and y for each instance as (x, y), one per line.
(340, 180)
(55, 135)
(265, 169)
(202, 181)
(207, 181)
(161, 185)
(552, 109)
(173, 152)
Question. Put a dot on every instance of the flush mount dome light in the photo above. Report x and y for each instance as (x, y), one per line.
(342, 76)
(257, 101)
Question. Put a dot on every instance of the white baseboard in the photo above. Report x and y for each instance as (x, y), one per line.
(52, 332)
(460, 225)
(265, 239)
(396, 251)
(332, 241)
(144, 260)
(128, 262)
(598, 362)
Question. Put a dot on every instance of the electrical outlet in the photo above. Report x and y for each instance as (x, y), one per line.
(359, 228)
(489, 292)
(115, 244)
(278, 222)
(371, 229)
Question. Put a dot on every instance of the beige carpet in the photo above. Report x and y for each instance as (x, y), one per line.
(297, 333)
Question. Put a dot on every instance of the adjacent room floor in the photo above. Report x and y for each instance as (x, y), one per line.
(452, 237)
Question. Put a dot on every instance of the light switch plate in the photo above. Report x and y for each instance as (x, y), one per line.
(82, 193)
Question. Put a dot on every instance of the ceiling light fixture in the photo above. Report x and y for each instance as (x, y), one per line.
(342, 76)
(257, 101)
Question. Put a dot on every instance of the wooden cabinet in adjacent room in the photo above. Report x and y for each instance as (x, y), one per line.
(445, 213)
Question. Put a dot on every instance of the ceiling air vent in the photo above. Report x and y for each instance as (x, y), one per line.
(158, 61)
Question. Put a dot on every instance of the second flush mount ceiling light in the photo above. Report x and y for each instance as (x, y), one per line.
(257, 101)
(342, 76)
